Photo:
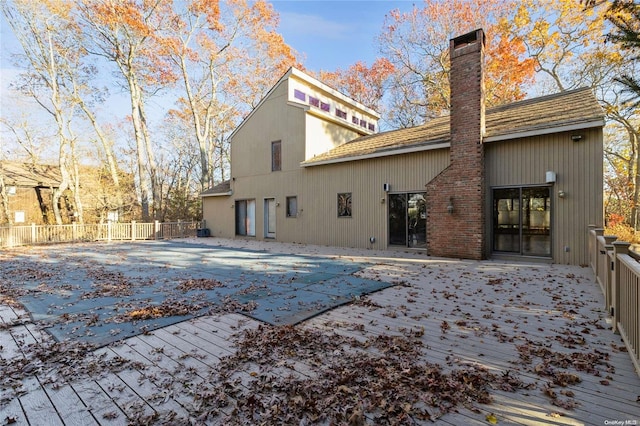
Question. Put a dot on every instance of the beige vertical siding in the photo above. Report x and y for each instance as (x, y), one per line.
(317, 189)
(579, 171)
(364, 179)
(219, 216)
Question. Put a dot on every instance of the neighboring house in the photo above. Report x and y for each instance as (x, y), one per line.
(29, 189)
(29, 194)
(520, 180)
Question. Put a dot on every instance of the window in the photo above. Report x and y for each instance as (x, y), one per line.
(344, 204)
(246, 217)
(298, 94)
(292, 206)
(354, 119)
(363, 123)
(19, 217)
(372, 127)
(325, 106)
(276, 156)
(314, 101)
(341, 114)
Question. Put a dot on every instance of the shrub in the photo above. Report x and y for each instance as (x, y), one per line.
(623, 232)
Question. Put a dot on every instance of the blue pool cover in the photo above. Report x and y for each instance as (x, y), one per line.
(101, 293)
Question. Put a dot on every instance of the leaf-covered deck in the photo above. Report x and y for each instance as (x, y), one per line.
(455, 342)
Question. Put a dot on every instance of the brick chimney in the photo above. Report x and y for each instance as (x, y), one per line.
(455, 198)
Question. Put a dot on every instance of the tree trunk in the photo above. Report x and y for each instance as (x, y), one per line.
(136, 102)
(4, 199)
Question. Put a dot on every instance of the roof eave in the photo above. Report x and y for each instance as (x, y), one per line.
(546, 131)
(220, 194)
(386, 153)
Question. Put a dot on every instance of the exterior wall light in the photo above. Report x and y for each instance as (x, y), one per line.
(550, 177)
(576, 138)
(561, 194)
(450, 206)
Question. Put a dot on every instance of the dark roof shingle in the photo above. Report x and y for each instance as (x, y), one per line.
(223, 188)
(30, 175)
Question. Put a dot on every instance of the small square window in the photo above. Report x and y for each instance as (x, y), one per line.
(363, 123)
(314, 101)
(292, 206)
(344, 204)
(372, 127)
(299, 94)
(276, 156)
(341, 114)
(354, 119)
(325, 106)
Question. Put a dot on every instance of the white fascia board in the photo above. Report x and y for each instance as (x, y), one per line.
(547, 131)
(387, 153)
(222, 194)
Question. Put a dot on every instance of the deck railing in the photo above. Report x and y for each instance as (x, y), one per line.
(617, 268)
(13, 236)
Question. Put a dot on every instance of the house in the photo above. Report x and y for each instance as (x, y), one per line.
(308, 165)
(28, 192)
(28, 189)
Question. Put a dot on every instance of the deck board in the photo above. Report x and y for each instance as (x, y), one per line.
(489, 311)
(67, 401)
(38, 408)
(101, 406)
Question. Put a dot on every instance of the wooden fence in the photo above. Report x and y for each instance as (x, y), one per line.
(617, 268)
(13, 236)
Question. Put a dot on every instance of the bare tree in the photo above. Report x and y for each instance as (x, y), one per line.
(45, 33)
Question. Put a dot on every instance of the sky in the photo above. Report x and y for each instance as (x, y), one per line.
(333, 34)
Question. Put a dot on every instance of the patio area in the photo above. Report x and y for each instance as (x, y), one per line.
(450, 342)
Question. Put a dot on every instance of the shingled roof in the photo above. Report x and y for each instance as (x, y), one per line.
(570, 110)
(30, 175)
(223, 188)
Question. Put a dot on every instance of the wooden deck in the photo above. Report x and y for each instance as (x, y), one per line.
(501, 316)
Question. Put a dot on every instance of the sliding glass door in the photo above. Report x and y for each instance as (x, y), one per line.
(522, 220)
(246, 217)
(408, 220)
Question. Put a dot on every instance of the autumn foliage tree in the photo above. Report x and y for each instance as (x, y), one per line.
(129, 34)
(365, 84)
(416, 45)
(227, 55)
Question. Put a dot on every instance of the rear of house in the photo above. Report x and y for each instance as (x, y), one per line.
(520, 180)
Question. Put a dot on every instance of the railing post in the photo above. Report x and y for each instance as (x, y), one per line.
(608, 264)
(599, 232)
(109, 231)
(133, 230)
(591, 242)
(74, 231)
(156, 229)
(619, 248)
(34, 233)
